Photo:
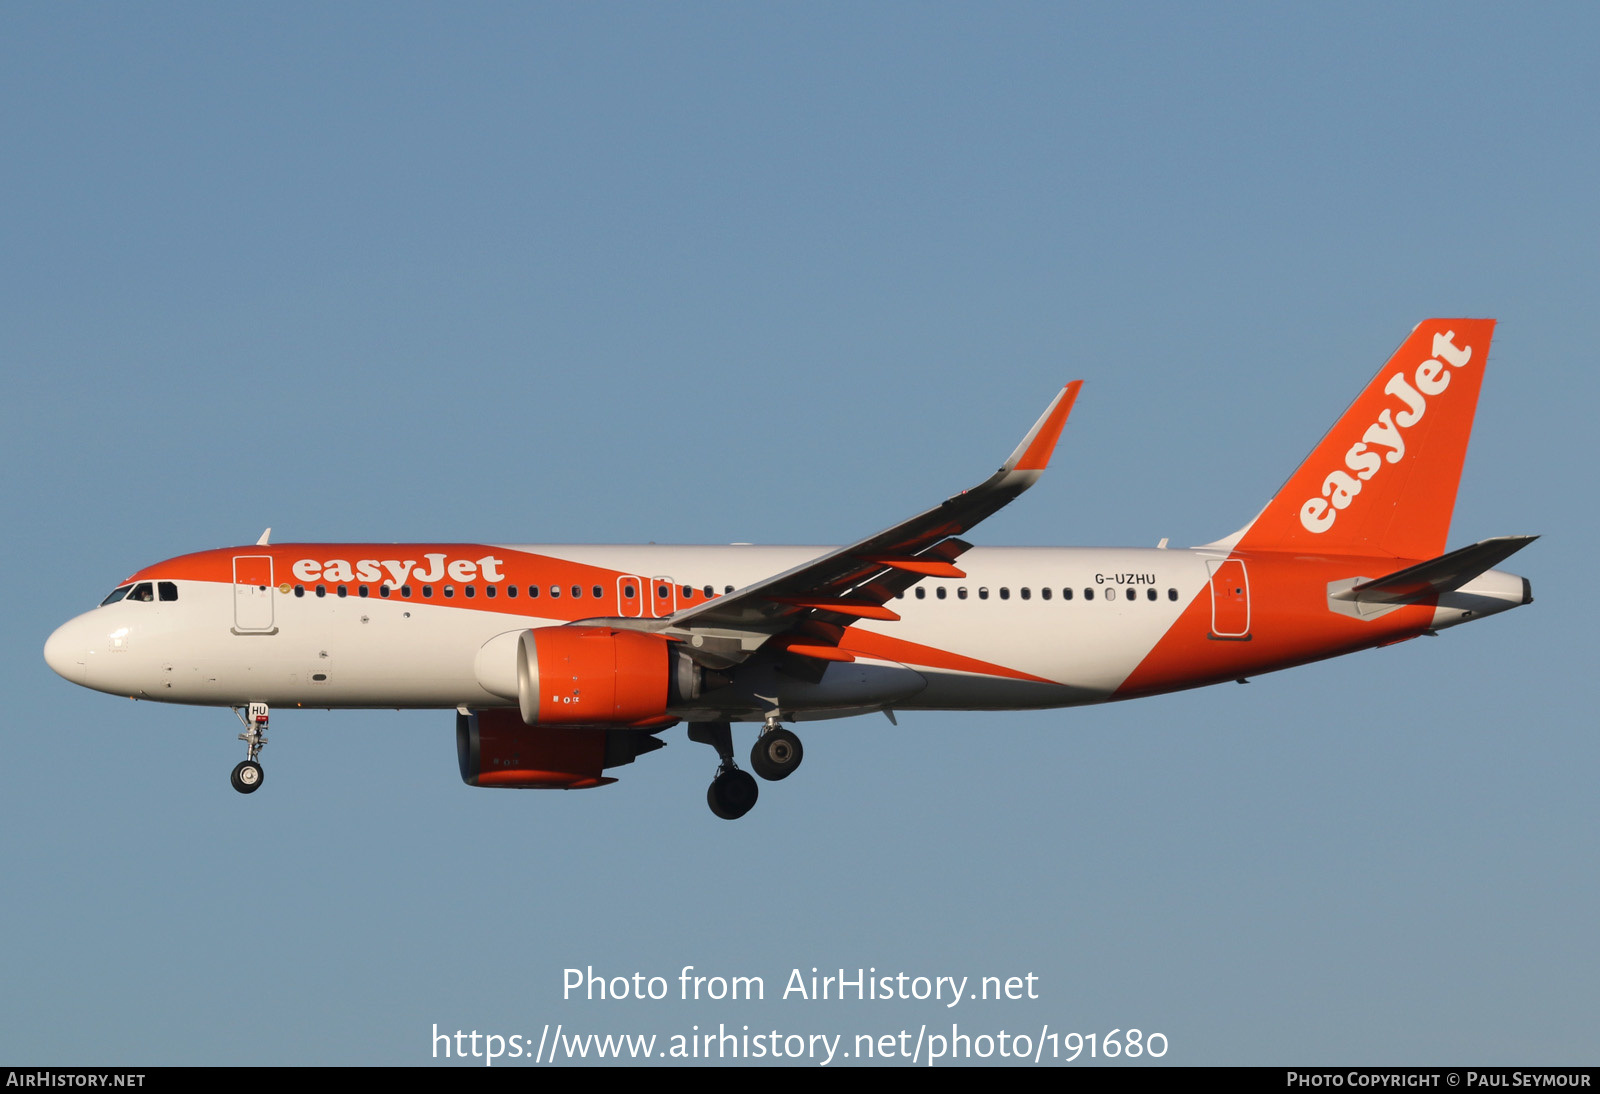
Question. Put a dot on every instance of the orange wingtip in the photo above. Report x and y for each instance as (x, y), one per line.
(1033, 454)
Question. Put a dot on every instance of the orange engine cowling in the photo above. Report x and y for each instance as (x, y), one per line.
(590, 676)
(495, 748)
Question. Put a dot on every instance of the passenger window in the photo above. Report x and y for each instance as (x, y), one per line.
(627, 592)
(1149, 594)
(322, 590)
(1066, 594)
(533, 592)
(662, 592)
(470, 590)
(922, 594)
(405, 591)
(427, 592)
(449, 592)
(344, 590)
(383, 591)
(491, 591)
(1172, 594)
(983, 592)
(361, 590)
(1088, 594)
(577, 592)
(1026, 593)
(555, 592)
(596, 591)
(299, 590)
(1044, 593)
(688, 592)
(727, 589)
(710, 592)
(941, 592)
(961, 592)
(1005, 593)
(511, 591)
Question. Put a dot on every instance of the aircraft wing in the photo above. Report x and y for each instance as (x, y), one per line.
(812, 603)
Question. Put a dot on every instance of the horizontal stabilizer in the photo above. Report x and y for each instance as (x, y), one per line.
(1428, 579)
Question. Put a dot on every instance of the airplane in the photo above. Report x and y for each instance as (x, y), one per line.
(565, 662)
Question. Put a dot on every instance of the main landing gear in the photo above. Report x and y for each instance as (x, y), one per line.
(777, 752)
(247, 777)
(733, 792)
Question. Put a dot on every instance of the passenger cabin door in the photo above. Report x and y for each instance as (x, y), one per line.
(1230, 599)
(252, 594)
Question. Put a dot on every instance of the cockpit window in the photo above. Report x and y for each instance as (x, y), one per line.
(167, 589)
(115, 595)
(144, 592)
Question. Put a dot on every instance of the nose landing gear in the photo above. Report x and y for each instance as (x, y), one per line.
(247, 776)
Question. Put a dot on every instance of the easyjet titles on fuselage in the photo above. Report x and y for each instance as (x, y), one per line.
(372, 569)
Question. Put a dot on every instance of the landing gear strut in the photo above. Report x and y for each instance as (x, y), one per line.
(733, 792)
(247, 777)
(777, 752)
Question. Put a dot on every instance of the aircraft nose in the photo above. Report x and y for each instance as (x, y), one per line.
(67, 652)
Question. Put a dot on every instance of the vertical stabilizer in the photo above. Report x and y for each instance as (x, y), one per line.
(1383, 480)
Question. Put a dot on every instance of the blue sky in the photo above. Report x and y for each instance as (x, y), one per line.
(518, 273)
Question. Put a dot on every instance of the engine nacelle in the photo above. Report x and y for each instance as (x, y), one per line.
(592, 675)
(599, 676)
(495, 748)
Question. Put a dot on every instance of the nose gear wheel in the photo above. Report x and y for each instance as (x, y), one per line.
(248, 775)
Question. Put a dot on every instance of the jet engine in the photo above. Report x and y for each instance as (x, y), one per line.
(600, 676)
(591, 675)
(495, 748)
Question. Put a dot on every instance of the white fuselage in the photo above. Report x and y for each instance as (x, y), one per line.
(1026, 627)
(376, 651)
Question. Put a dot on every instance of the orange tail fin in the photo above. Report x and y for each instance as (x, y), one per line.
(1383, 480)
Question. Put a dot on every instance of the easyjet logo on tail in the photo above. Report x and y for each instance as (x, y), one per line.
(1384, 441)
